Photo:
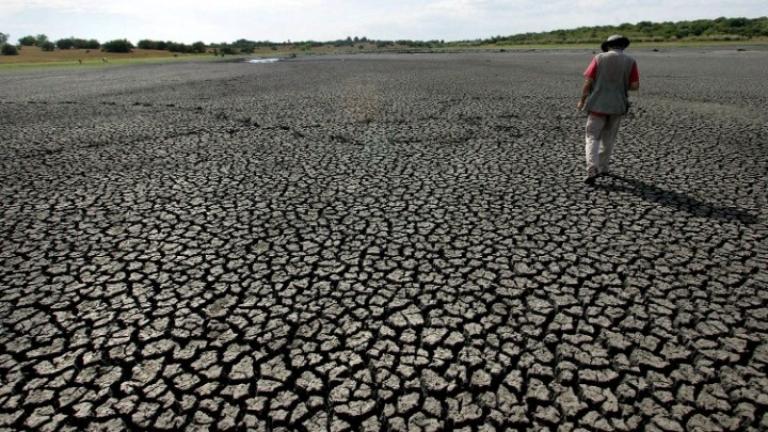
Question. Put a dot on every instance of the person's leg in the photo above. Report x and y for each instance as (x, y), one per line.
(608, 139)
(594, 129)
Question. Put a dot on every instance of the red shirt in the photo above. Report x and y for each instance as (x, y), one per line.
(591, 73)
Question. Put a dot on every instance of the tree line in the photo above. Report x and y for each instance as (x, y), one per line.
(240, 46)
(645, 31)
(197, 47)
(114, 46)
(719, 29)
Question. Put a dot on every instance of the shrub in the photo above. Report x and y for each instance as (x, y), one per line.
(65, 44)
(9, 49)
(147, 44)
(48, 46)
(156, 44)
(27, 41)
(198, 47)
(87, 44)
(171, 46)
(77, 43)
(177, 47)
(117, 46)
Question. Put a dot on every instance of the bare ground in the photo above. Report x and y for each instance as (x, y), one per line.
(392, 242)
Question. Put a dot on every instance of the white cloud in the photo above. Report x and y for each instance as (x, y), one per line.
(322, 20)
(457, 8)
(148, 7)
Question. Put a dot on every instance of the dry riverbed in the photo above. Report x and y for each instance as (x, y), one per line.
(383, 242)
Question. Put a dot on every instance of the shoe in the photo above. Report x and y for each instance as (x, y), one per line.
(591, 176)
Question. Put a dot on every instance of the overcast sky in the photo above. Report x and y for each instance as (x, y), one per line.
(281, 20)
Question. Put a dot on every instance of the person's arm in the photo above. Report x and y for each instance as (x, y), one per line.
(586, 89)
(634, 78)
(589, 78)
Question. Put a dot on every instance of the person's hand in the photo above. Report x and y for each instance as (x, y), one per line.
(580, 105)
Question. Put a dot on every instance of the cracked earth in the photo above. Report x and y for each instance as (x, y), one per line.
(397, 242)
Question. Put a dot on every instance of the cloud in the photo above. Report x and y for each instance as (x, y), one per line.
(144, 7)
(323, 20)
(457, 8)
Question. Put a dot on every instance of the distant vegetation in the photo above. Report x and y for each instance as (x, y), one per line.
(720, 29)
(5, 47)
(706, 30)
(197, 47)
(33, 40)
(713, 30)
(245, 46)
(41, 41)
(117, 46)
(48, 46)
(8, 49)
(76, 43)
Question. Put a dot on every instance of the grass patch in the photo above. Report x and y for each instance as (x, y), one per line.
(34, 56)
(99, 64)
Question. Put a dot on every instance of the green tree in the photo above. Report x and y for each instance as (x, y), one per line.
(117, 46)
(79, 43)
(65, 44)
(147, 44)
(178, 47)
(41, 39)
(89, 44)
(737, 27)
(9, 49)
(27, 41)
(150, 44)
(198, 47)
(3, 38)
(48, 46)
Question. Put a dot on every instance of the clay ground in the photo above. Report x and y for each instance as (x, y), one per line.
(393, 242)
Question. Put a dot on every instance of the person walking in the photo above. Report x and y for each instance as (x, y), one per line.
(607, 79)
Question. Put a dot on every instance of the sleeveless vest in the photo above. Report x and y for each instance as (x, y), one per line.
(609, 90)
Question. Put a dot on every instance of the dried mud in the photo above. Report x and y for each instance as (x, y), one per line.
(394, 242)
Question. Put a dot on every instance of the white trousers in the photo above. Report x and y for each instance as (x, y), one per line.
(600, 137)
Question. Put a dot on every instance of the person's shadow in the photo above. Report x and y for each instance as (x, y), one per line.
(677, 200)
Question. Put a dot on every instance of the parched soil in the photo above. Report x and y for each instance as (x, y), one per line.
(392, 242)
